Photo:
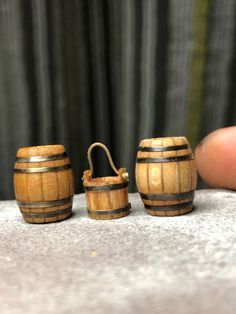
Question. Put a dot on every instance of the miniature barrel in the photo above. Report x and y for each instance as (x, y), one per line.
(43, 183)
(166, 176)
(107, 197)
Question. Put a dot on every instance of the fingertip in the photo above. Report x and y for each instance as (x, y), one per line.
(216, 158)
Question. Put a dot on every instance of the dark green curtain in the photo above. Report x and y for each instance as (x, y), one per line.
(115, 71)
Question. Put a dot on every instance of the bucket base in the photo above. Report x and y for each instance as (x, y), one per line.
(108, 217)
(109, 214)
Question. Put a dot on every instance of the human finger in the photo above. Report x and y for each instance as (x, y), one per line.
(216, 158)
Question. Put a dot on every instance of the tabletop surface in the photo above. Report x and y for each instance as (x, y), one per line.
(136, 264)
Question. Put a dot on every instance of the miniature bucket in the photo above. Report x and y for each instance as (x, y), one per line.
(107, 197)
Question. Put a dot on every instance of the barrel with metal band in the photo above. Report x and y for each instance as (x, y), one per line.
(107, 197)
(166, 176)
(43, 183)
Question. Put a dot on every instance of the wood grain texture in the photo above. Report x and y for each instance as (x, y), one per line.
(48, 187)
(166, 185)
(114, 200)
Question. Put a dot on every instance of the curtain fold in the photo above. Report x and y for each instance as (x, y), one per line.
(180, 52)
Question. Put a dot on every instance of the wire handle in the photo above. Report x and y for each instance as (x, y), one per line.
(108, 156)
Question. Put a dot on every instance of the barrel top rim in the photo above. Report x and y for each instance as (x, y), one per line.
(40, 150)
(40, 146)
(163, 138)
(164, 141)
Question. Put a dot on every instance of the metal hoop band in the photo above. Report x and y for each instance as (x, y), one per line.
(167, 197)
(165, 159)
(47, 215)
(163, 148)
(41, 158)
(169, 207)
(109, 187)
(45, 204)
(125, 209)
(42, 169)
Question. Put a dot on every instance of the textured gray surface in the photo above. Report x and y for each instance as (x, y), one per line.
(137, 264)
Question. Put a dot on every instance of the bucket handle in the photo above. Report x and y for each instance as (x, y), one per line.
(124, 174)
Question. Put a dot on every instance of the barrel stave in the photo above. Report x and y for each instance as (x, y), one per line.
(108, 200)
(169, 176)
(20, 186)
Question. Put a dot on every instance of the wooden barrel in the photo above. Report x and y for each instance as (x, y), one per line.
(107, 197)
(43, 183)
(166, 175)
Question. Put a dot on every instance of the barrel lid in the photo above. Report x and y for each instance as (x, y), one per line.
(164, 141)
(43, 150)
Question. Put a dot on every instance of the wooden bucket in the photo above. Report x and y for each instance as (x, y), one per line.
(166, 175)
(43, 183)
(107, 197)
